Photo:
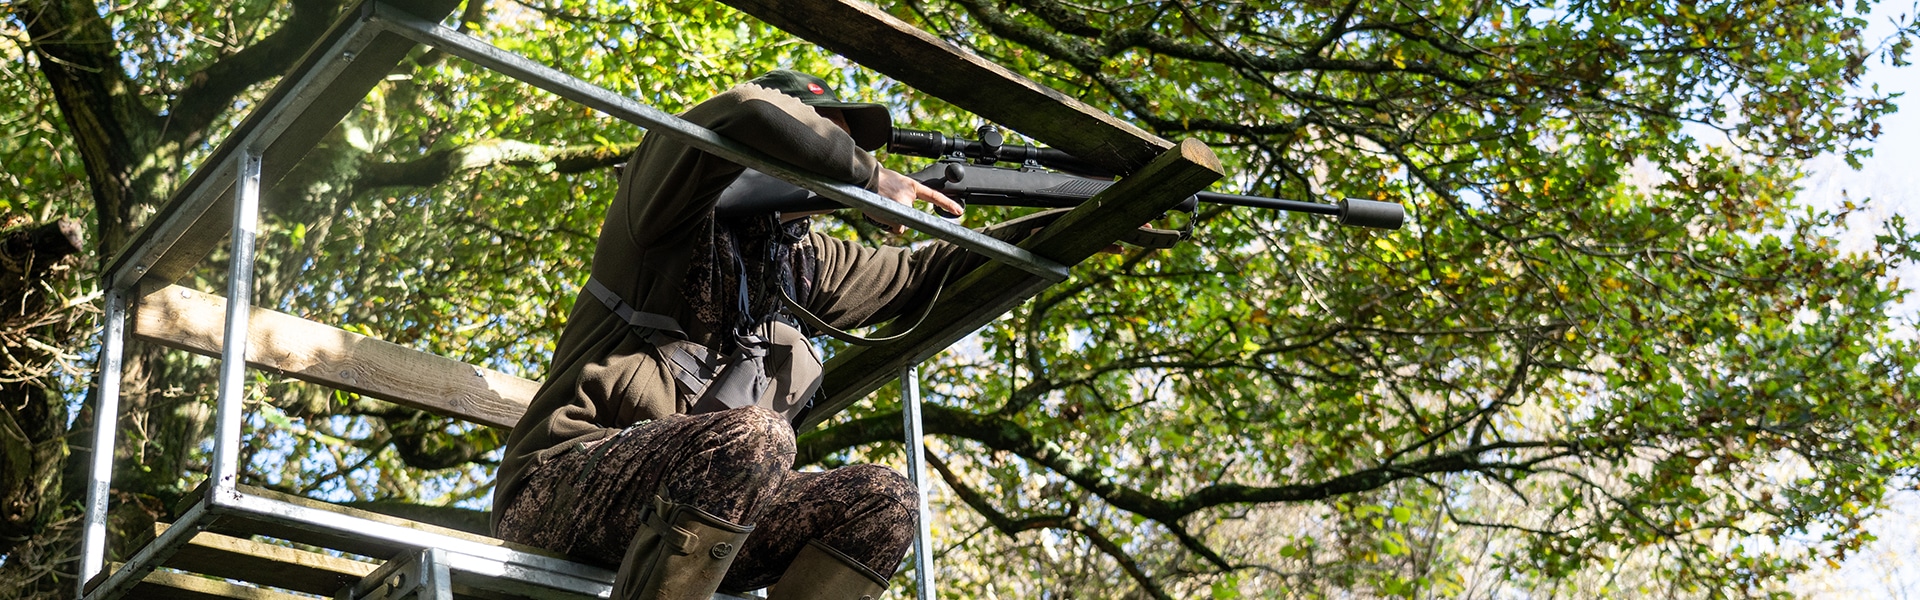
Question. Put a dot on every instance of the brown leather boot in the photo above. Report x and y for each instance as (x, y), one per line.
(822, 573)
(680, 553)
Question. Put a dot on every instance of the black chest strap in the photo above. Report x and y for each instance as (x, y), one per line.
(712, 382)
(633, 316)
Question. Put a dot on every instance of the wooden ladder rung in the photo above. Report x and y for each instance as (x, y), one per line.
(266, 564)
(227, 548)
(168, 585)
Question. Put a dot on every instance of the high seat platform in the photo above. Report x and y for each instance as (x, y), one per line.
(235, 541)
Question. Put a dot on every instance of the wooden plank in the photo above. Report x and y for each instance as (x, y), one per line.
(191, 320)
(996, 288)
(282, 567)
(266, 564)
(342, 541)
(205, 223)
(164, 585)
(879, 41)
(167, 585)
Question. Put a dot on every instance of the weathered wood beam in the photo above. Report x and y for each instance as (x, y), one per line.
(879, 41)
(996, 288)
(278, 566)
(167, 585)
(181, 235)
(194, 321)
(266, 564)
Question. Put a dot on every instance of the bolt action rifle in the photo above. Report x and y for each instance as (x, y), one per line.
(965, 171)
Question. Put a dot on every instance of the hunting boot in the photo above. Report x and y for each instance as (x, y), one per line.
(822, 573)
(680, 553)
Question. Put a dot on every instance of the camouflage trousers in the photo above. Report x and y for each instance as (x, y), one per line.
(737, 465)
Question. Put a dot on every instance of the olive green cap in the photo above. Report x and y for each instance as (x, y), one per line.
(872, 125)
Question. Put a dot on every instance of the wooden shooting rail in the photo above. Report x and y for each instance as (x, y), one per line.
(239, 542)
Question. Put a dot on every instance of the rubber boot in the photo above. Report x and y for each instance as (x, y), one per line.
(680, 553)
(822, 573)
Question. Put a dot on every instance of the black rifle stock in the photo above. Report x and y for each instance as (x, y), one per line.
(965, 172)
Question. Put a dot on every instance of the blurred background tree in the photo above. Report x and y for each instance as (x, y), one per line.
(1613, 353)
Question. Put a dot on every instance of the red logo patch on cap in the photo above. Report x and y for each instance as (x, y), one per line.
(815, 88)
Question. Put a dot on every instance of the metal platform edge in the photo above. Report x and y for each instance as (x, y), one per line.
(493, 568)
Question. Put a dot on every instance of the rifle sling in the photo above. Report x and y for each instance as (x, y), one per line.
(819, 324)
(626, 312)
(663, 323)
(693, 373)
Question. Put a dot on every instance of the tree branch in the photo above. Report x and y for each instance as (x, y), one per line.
(210, 92)
(1012, 528)
(81, 62)
(441, 165)
(1006, 435)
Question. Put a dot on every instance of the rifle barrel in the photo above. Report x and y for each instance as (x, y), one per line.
(1351, 211)
(1270, 203)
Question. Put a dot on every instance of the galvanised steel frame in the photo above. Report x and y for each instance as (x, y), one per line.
(470, 563)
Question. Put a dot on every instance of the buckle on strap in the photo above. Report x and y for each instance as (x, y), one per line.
(626, 312)
(660, 516)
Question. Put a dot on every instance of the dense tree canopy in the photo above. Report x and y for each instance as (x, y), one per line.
(1612, 354)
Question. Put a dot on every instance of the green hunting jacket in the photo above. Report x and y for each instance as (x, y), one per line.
(605, 374)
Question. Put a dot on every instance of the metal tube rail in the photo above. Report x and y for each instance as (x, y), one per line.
(917, 471)
(106, 421)
(233, 350)
(532, 570)
(137, 567)
(657, 121)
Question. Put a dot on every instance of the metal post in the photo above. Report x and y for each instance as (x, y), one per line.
(436, 578)
(413, 575)
(233, 354)
(189, 524)
(106, 418)
(917, 471)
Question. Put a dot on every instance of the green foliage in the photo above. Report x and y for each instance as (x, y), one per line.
(1616, 348)
(1612, 355)
(43, 180)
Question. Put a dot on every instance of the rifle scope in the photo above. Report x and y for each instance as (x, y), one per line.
(990, 148)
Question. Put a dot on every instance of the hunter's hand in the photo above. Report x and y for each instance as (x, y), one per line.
(905, 190)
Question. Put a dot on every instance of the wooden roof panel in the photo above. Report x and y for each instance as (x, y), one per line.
(879, 41)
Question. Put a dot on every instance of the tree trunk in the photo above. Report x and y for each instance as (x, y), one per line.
(34, 325)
